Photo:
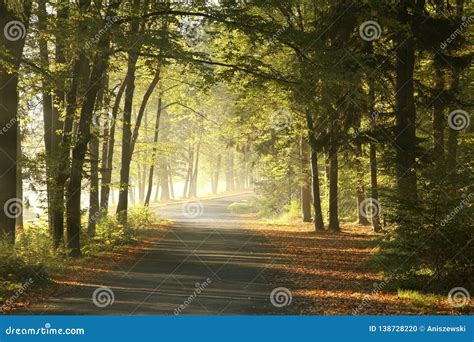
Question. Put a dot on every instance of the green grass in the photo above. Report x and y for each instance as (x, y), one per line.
(420, 299)
(29, 264)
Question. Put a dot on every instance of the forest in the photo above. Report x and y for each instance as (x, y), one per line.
(346, 120)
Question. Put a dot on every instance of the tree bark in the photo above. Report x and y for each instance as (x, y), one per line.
(333, 191)
(154, 153)
(305, 189)
(12, 51)
(109, 145)
(405, 126)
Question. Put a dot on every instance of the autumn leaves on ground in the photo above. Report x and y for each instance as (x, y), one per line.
(333, 274)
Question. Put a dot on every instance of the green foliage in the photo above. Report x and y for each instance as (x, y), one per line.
(244, 207)
(428, 244)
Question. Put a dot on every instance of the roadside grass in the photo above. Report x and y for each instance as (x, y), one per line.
(32, 268)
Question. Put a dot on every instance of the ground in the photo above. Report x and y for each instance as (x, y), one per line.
(210, 261)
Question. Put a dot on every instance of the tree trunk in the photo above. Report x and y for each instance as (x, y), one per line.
(9, 203)
(229, 176)
(122, 205)
(109, 146)
(360, 187)
(215, 175)
(194, 178)
(405, 127)
(305, 189)
(374, 187)
(19, 179)
(333, 191)
(73, 201)
(189, 172)
(154, 153)
(438, 120)
(94, 146)
(165, 188)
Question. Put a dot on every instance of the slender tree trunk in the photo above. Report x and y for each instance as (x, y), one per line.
(122, 205)
(108, 158)
(194, 178)
(374, 186)
(305, 188)
(333, 191)
(170, 174)
(94, 146)
(360, 187)
(19, 179)
(155, 151)
(438, 120)
(165, 188)
(189, 171)
(318, 213)
(215, 175)
(229, 178)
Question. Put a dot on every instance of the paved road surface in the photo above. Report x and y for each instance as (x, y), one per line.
(206, 248)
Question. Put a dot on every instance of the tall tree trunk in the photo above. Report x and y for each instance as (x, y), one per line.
(94, 146)
(438, 120)
(47, 112)
(229, 176)
(73, 201)
(374, 188)
(165, 188)
(19, 179)
(12, 51)
(170, 174)
(194, 177)
(189, 172)
(333, 191)
(405, 126)
(215, 175)
(360, 187)
(154, 153)
(108, 157)
(122, 205)
(305, 189)
(318, 213)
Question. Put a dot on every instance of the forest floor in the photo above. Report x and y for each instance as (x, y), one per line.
(208, 260)
(330, 274)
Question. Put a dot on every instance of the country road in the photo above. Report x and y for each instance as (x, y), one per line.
(206, 264)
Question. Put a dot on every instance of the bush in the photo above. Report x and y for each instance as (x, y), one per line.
(428, 245)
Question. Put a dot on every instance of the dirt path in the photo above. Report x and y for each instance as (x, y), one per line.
(205, 264)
